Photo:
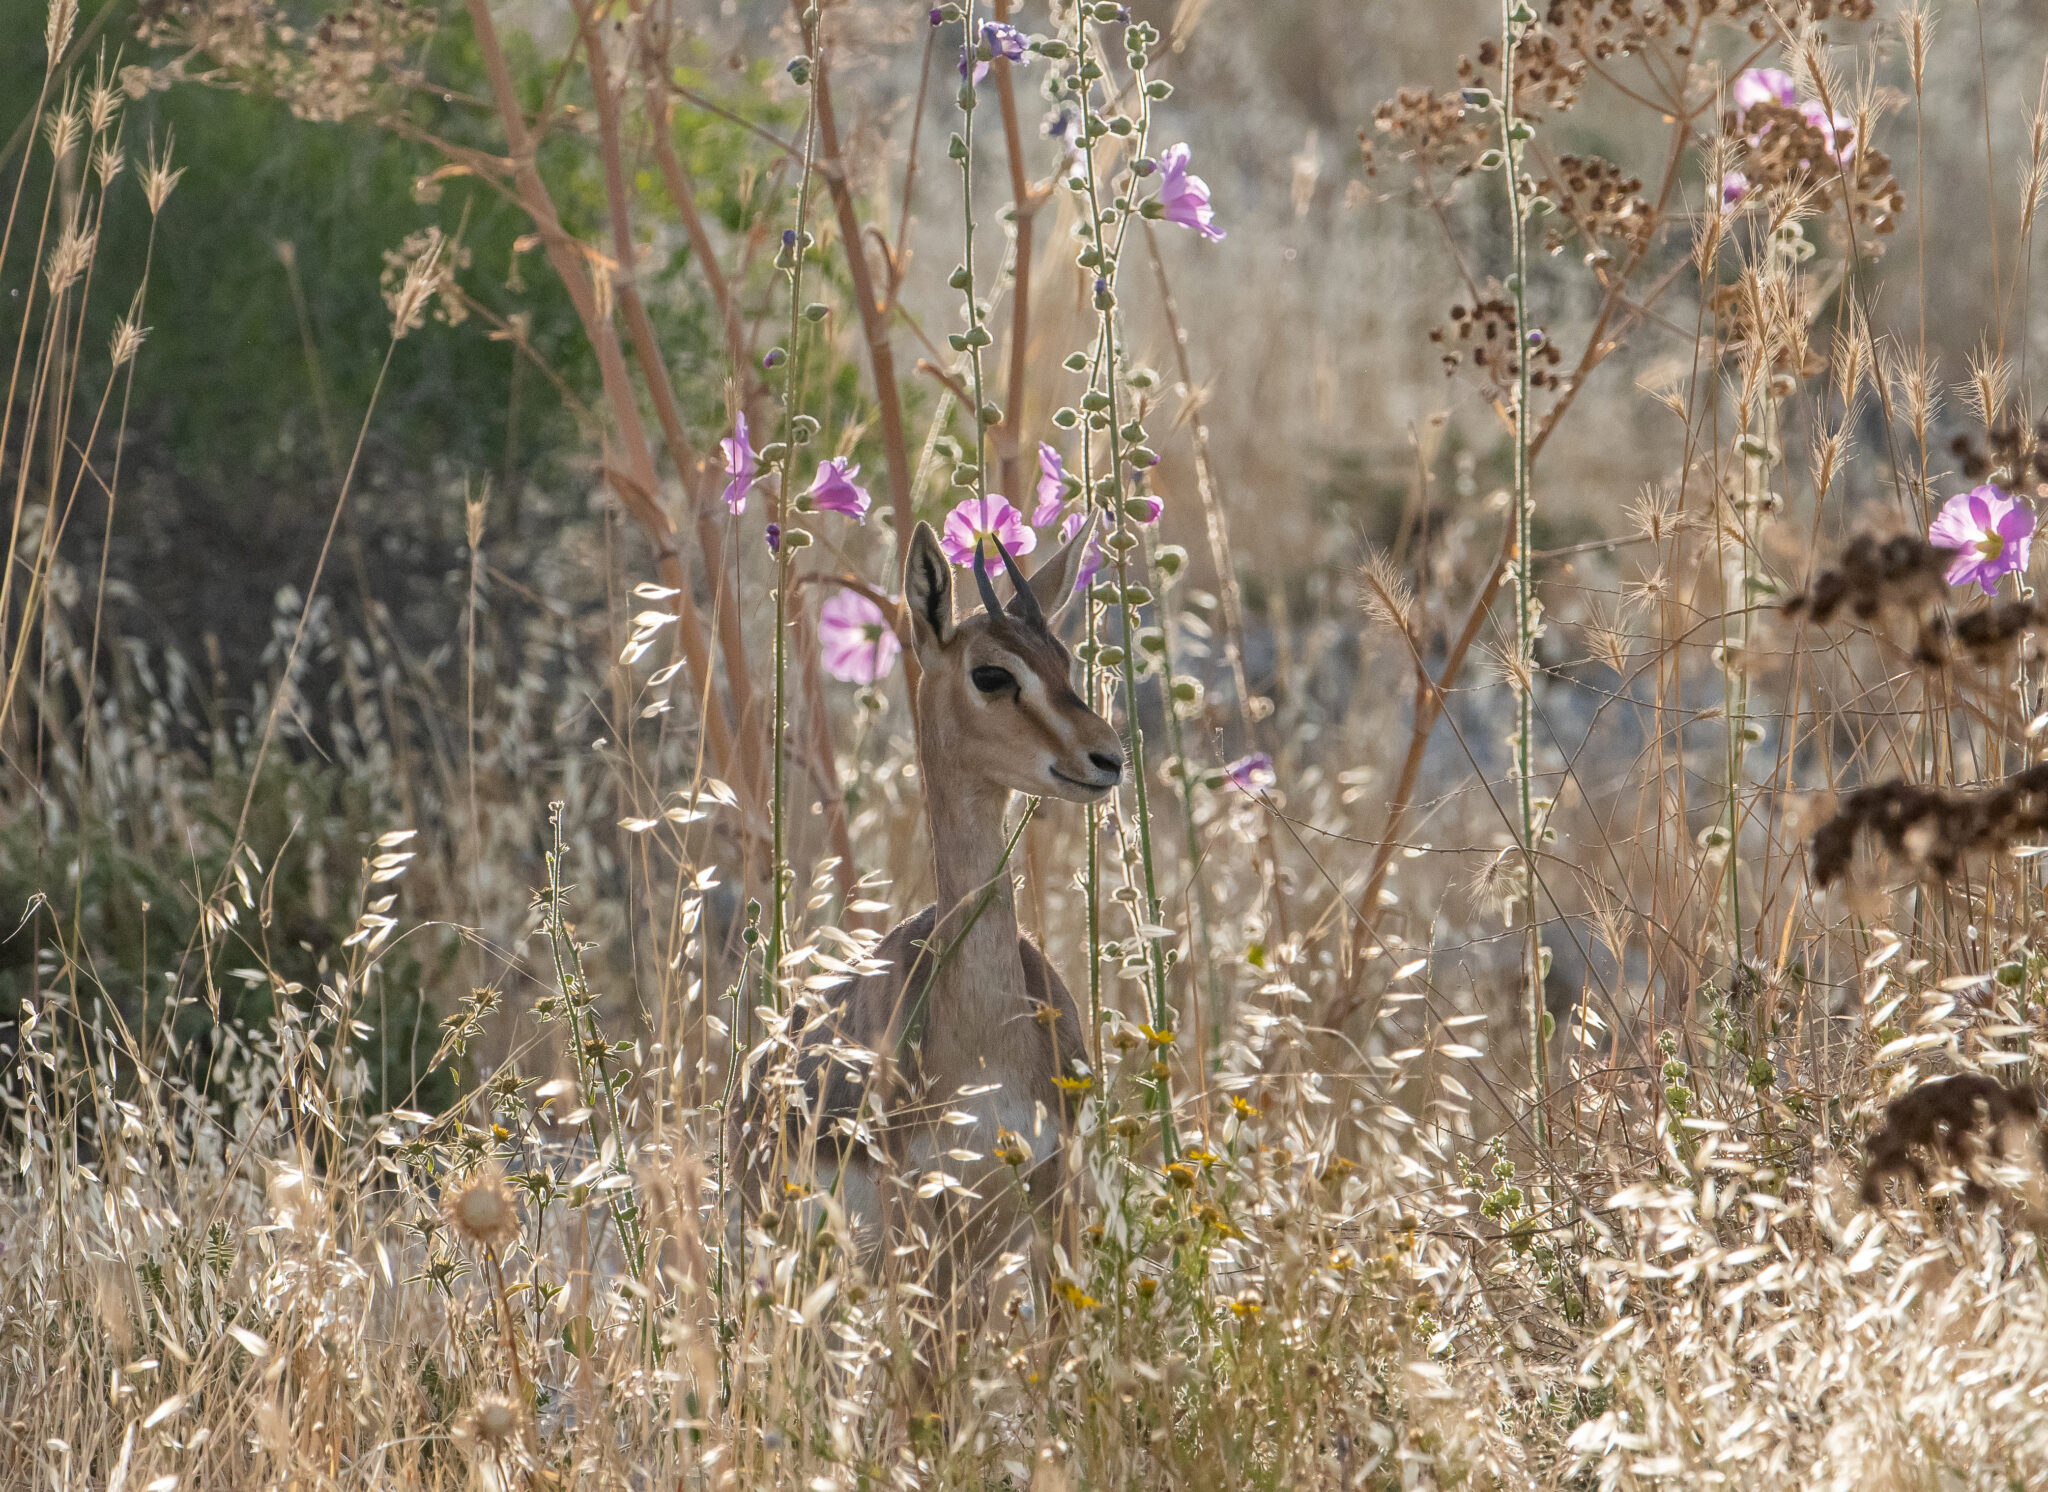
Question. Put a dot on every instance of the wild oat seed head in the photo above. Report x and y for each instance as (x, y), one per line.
(102, 102)
(57, 26)
(69, 259)
(481, 1209)
(1916, 25)
(106, 162)
(62, 127)
(158, 178)
(126, 341)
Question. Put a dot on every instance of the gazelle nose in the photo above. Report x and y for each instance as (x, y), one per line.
(1104, 762)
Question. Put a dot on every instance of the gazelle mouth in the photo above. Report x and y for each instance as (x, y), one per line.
(1086, 787)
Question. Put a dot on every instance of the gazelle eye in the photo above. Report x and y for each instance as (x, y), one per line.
(992, 680)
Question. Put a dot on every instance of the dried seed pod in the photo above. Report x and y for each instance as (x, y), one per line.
(1943, 1116)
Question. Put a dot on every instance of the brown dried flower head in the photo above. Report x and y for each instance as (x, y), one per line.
(493, 1423)
(1944, 1116)
(482, 1210)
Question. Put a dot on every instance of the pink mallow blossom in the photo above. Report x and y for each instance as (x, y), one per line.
(855, 641)
(833, 490)
(1052, 485)
(979, 518)
(1184, 199)
(1991, 531)
(739, 464)
(1762, 85)
(1093, 560)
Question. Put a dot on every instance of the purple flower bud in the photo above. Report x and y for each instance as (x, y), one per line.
(1185, 198)
(774, 537)
(789, 238)
(1252, 772)
(938, 16)
(1004, 41)
(773, 357)
(1536, 337)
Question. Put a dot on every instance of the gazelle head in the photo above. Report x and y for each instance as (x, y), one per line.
(997, 702)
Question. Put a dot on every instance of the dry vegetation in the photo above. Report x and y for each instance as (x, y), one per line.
(1560, 975)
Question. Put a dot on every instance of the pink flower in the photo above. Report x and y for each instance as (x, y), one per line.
(833, 490)
(1185, 198)
(1764, 85)
(1091, 562)
(1838, 132)
(739, 464)
(1252, 772)
(1991, 531)
(856, 641)
(1052, 485)
(978, 518)
(1734, 187)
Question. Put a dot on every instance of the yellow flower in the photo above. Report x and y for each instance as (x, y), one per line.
(1157, 1038)
(1244, 1110)
(1073, 1085)
(1181, 1174)
(1246, 1306)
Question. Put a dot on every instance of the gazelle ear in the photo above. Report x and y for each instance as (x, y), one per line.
(1053, 582)
(928, 593)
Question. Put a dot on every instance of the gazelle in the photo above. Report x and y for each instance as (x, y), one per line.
(968, 1024)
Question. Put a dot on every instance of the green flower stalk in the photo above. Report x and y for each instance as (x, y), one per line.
(1516, 16)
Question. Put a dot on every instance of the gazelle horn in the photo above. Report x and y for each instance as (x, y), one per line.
(1024, 605)
(983, 584)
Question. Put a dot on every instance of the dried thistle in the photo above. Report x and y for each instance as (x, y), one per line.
(483, 1211)
(494, 1424)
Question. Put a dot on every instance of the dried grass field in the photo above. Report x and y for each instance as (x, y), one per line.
(1438, 598)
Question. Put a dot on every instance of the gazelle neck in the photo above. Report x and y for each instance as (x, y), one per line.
(976, 900)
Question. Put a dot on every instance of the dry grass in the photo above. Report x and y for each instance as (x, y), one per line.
(1783, 781)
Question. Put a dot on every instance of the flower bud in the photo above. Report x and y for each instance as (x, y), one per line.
(817, 310)
(956, 148)
(1159, 88)
(1066, 418)
(796, 538)
(773, 357)
(1075, 362)
(799, 71)
(959, 279)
